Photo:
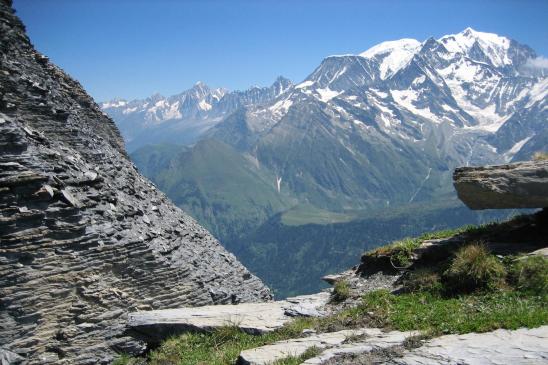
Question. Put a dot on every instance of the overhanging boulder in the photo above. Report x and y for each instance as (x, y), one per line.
(519, 185)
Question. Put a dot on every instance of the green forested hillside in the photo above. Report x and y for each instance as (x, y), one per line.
(224, 190)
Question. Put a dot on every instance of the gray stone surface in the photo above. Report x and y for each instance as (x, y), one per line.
(519, 347)
(76, 253)
(374, 339)
(333, 344)
(280, 350)
(519, 185)
(9, 358)
(253, 318)
(306, 305)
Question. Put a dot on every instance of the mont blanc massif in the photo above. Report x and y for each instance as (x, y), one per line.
(299, 179)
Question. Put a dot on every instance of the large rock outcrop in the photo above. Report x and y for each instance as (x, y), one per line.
(519, 185)
(84, 238)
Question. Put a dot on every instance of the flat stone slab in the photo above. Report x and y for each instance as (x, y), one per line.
(519, 185)
(374, 339)
(519, 347)
(255, 318)
(333, 343)
(283, 349)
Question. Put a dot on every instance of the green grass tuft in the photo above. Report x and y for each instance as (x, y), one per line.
(341, 291)
(423, 279)
(474, 268)
(401, 251)
(530, 275)
(220, 347)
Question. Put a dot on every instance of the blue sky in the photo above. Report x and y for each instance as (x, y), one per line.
(134, 48)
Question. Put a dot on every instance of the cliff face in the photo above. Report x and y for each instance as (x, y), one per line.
(84, 238)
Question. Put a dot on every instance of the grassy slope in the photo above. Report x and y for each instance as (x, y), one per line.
(222, 189)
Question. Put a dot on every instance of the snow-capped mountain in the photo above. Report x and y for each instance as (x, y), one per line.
(183, 117)
(477, 73)
(471, 81)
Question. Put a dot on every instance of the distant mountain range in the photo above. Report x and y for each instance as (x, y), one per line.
(183, 118)
(362, 133)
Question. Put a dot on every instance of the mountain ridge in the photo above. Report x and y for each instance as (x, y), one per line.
(479, 52)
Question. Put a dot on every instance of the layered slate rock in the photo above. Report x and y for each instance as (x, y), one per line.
(84, 238)
(519, 185)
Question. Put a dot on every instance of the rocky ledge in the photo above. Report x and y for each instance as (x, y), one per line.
(519, 185)
(253, 318)
(84, 238)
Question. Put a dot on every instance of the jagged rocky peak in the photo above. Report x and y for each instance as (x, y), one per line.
(84, 237)
(281, 85)
(193, 111)
(201, 88)
(202, 92)
(154, 98)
